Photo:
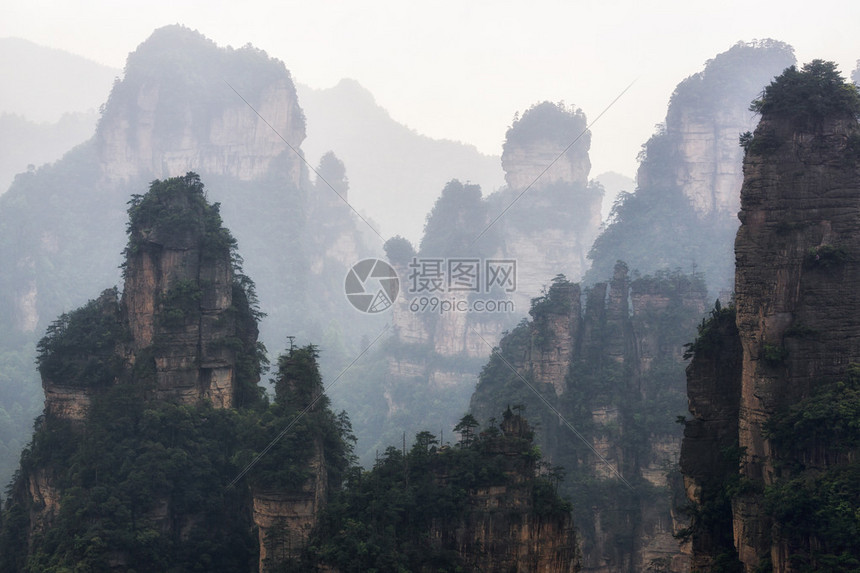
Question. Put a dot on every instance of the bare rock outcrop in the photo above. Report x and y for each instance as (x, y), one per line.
(179, 293)
(150, 128)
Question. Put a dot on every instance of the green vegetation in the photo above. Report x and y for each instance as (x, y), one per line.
(709, 336)
(251, 359)
(774, 355)
(139, 470)
(80, 348)
(144, 483)
(332, 172)
(818, 513)
(384, 518)
(732, 77)
(608, 398)
(826, 257)
(60, 224)
(814, 508)
(828, 420)
(715, 351)
(181, 304)
(809, 95)
(657, 229)
(457, 216)
(190, 72)
(145, 469)
(763, 142)
(556, 122)
(556, 300)
(399, 251)
(49, 268)
(175, 212)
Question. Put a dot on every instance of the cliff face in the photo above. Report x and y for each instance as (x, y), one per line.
(178, 295)
(798, 334)
(152, 407)
(550, 220)
(613, 371)
(556, 220)
(524, 163)
(798, 218)
(150, 128)
(706, 114)
(690, 172)
(173, 111)
(709, 453)
(175, 327)
(708, 166)
(177, 307)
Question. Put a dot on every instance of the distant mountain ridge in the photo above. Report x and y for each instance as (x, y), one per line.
(44, 83)
(49, 103)
(395, 173)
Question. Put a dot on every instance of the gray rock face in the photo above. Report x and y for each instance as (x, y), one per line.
(798, 264)
(597, 366)
(187, 337)
(797, 331)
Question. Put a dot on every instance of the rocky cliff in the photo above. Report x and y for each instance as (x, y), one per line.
(690, 172)
(613, 374)
(173, 112)
(709, 452)
(505, 530)
(798, 334)
(285, 517)
(557, 212)
(442, 335)
(706, 113)
(152, 407)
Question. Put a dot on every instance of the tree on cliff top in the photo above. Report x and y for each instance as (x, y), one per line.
(452, 223)
(548, 120)
(817, 91)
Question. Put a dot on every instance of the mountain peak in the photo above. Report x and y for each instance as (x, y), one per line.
(187, 104)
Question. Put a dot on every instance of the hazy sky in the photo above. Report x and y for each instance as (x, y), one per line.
(460, 69)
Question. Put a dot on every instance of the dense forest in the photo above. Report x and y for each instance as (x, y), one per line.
(673, 389)
(126, 470)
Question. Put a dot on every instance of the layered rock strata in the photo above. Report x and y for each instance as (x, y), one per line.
(797, 334)
(605, 369)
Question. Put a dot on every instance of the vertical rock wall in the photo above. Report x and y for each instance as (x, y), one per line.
(798, 264)
(607, 368)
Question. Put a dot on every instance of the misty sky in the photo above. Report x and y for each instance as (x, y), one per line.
(460, 69)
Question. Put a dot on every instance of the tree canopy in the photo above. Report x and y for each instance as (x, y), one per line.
(810, 94)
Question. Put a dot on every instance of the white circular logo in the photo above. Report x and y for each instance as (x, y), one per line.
(372, 285)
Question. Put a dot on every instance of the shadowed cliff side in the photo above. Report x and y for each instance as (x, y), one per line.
(798, 325)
